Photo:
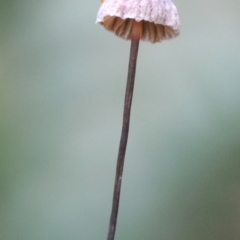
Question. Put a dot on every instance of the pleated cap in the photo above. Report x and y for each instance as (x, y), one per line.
(159, 17)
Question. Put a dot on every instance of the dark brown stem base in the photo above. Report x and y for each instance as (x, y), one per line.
(124, 136)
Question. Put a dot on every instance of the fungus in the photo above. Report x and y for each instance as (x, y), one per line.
(135, 20)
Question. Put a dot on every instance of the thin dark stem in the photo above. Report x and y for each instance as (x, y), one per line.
(124, 136)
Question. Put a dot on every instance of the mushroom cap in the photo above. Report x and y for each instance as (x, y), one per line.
(159, 17)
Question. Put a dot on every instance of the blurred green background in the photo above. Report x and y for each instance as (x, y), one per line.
(62, 84)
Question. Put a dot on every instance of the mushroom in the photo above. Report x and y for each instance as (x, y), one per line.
(148, 20)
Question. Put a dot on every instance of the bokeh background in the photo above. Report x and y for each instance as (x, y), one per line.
(62, 84)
